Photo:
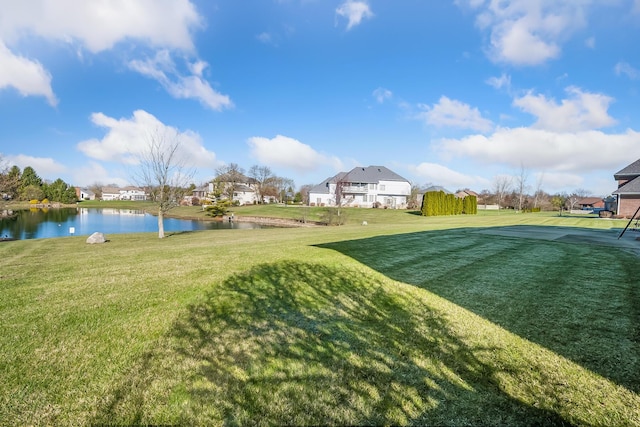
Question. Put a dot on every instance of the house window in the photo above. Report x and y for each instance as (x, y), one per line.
(372, 186)
(382, 187)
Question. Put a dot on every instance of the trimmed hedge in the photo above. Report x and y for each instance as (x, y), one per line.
(437, 203)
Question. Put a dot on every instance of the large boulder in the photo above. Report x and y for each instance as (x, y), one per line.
(96, 237)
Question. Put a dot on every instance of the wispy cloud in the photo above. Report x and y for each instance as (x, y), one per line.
(354, 12)
(163, 69)
(624, 68)
(502, 82)
(524, 32)
(381, 95)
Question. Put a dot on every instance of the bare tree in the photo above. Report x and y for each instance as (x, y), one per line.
(577, 195)
(416, 195)
(539, 193)
(9, 180)
(304, 192)
(521, 185)
(501, 187)
(263, 177)
(228, 179)
(96, 188)
(282, 186)
(163, 171)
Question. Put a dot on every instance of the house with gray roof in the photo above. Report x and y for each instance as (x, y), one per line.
(628, 192)
(371, 186)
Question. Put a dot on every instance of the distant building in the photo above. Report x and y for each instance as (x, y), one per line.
(84, 194)
(590, 203)
(372, 186)
(125, 193)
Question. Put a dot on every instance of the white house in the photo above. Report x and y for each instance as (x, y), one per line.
(244, 194)
(126, 193)
(85, 194)
(244, 190)
(372, 186)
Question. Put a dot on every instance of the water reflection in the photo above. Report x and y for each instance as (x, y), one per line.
(43, 223)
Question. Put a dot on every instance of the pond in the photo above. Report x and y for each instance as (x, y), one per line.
(45, 223)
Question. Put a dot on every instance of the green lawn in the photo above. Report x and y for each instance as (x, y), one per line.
(408, 320)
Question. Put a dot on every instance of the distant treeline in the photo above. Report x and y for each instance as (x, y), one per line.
(27, 185)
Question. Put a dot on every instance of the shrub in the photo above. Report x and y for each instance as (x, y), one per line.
(470, 205)
(220, 208)
(34, 202)
(438, 203)
(45, 201)
(333, 216)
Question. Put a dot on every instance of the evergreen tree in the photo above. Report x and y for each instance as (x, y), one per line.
(29, 180)
(60, 191)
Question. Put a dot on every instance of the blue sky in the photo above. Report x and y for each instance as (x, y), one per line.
(448, 92)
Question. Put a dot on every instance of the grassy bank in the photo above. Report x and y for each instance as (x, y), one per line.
(409, 320)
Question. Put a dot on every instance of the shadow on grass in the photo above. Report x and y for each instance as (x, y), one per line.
(294, 343)
(573, 296)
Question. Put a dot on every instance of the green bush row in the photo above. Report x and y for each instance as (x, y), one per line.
(437, 203)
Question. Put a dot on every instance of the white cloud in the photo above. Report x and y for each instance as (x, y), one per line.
(99, 26)
(283, 151)
(126, 138)
(452, 113)
(623, 68)
(94, 172)
(437, 174)
(555, 182)
(45, 167)
(163, 69)
(381, 95)
(354, 12)
(265, 38)
(504, 81)
(524, 32)
(581, 111)
(28, 77)
(567, 152)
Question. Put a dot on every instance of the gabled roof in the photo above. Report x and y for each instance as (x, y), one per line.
(590, 200)
(110, 190)
(244, 188)
(372, 175)
(437, 188)
(323, 187)
(630, 171)
(631, 187)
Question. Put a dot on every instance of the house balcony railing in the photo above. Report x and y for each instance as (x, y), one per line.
(354, 189)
